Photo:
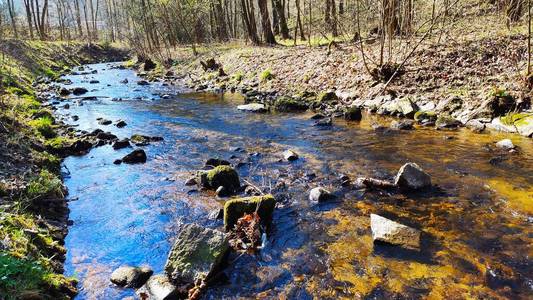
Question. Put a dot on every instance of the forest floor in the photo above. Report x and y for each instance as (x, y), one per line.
(33, 207)
(473, 78)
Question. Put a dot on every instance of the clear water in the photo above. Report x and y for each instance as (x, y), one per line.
(477, 221)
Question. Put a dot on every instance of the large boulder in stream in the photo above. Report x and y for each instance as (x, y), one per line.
(412, 177)
(222, 175)
(388, 231)
(196, 254)
(132, 277)
(236, 208)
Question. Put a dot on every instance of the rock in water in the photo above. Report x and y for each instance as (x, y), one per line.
(402, 124)
(353, 114)
(137, 156)
(253, 107)
(319, 194)
(121, 144)
(391, 232)
(290, 155)
(79, 91)
(215, 162)
(222, 175)
(506, 144)
(412, 177)
(159, 287)
(132, 277)
(236, 208)
(197, 252)
(121, 123)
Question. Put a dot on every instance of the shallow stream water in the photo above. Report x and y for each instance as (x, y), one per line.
(477, 220)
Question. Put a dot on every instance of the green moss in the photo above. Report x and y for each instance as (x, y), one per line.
(29, 279)
(238, 76)
(236, 208)
(512, 118)
(224, 176)
(266, 75)
(47, 161)
(46, 184)
(327, 96)
(287, 104)
(44, 126)
(425, 115)
(57, 143)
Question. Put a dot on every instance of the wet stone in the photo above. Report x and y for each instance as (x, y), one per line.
(159, 287)
(506, 144)
(121, 144)
(121, 124)
(388, 231)
(137, 156)
(319, 194)
(236, 208)
(412, 177)
(133, 277)
(290, 155)
(104, 122)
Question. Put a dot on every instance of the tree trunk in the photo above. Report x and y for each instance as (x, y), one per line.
(268, 36)
(11, 8)
(283, 28)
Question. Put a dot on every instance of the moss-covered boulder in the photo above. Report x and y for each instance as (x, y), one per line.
(236, 208)
(523, 122)
(445, 121)
(222, 175)
(327, 96)
(425, 116)
(196, 254)
(287, 104)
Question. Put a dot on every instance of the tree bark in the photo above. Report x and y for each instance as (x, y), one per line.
(268, 36)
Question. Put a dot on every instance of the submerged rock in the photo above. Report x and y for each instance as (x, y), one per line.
(290, 155)
(159, 287)
(412, 177)
(106, 136)
(104, 122)
(253, 107)
(143, 82)
(137, 156)
(132, 277)
(388, 231)
(121, 124)
(319, 194)
(215, 162)
(236, 208)
(196, 253)
(506, 144)
(324, 122)
(222, 175)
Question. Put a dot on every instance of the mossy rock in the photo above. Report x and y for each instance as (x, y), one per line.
(425, 115)
(223, 175)
(353, 113)
(236, 208)
(327, 96)
(447, 122)
(287, 104)
(523, 122)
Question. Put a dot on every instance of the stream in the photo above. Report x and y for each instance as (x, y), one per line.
(477, 220)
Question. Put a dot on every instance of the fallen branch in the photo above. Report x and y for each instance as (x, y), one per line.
(376, 183)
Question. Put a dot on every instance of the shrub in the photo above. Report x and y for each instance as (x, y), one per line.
(44, 126)
(266, 75)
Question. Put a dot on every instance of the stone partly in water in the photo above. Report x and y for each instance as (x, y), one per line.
(506, 144)
(222, 175)
(104, 122)
(290, 155)
(135, 157)
(236, 208)
(79, 91)
(319, 194)
(215, 162)
(287, 104)
(388, 231)
(324, 122)
(406, 107)
(412, 177)
(159, 287)
(402, 125)
(121, 123)
(447, 122)
(196, 253)
(132, 277)
(353, 114)
(253, 107)
(121, 144)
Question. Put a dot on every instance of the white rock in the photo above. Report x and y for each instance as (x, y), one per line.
(505, 144)
(158, 287)
(391, 232)
(290, 155)
(134, 277)
(252, 107)
(319, 194)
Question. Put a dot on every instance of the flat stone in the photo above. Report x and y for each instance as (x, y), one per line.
(388, 231)
(196, 253)
(253, 107)
(506, 144)
(412, 177)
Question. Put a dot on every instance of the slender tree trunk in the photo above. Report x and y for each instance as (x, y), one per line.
(27, 6)
(11, 9)
(268, 36)
(283, 28)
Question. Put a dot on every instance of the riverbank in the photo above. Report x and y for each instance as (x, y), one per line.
(473, 81)
(34, 212)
